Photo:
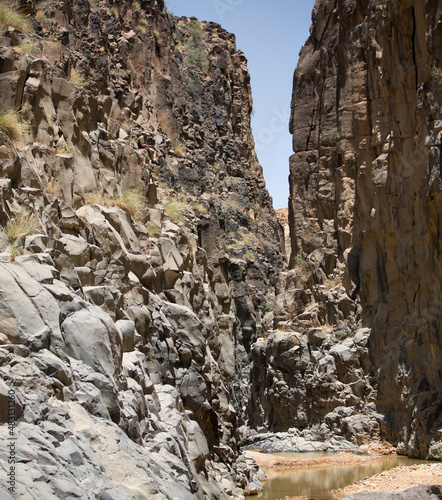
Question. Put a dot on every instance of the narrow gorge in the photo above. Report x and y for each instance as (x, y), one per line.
(152, 326)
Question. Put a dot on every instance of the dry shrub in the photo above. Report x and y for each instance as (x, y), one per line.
(21, 224)
(10, 16)
(11, 126)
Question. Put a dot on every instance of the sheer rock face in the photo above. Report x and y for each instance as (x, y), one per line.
(365, 180)
(126, 334)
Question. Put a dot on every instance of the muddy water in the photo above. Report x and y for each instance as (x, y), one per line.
(317, 483)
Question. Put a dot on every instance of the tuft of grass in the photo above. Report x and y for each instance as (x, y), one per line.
(236, 245)
(17, 248)
(178, 150)
(11, 126)
(269, 305)
(52, 187)
(65, 148)
(175, 210)
(130, 200)
(94, 198)
(153, 229)
(156, 35)
(332, 281)
(28, 48)
(21, 224)
(10, 16)
(200, 208)
(235, 204)
(136, 6)
(333, 136)
(142, 26)
(76, 77)
(341, 334)
(249, 255)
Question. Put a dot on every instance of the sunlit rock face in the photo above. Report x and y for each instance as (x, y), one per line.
(366, 196)
(131, 292)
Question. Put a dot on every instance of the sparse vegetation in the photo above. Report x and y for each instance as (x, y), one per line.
(44, 20)
(163, 185)
(11, 125)
(236, 205)
(142, 25)
(436, 76)
(175, 210)
(76, 77)
(178, 151)
(52, 187)
(136, 6)
(194, 46)
(341, 334)
(246, 237)
(28, 48)
(65, 148)
(10, 16)
(269, 305)
(17, 248)
(94, 198)
(153, 229)
(237, 245)
(302, 269)
(156, 35)
(334, 136)
(200, 208)
(19, 226)
(249, 255)
(332, 281)
(130, 200)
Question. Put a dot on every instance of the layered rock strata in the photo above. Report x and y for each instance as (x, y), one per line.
(130, 292)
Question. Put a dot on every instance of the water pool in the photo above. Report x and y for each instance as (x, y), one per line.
(317, 483)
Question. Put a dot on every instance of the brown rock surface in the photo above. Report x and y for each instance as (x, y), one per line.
(366, 192)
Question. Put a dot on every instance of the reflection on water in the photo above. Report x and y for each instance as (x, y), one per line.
(317, 483)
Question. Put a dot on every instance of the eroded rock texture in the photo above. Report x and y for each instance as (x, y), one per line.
(366, 197)
(130, 292)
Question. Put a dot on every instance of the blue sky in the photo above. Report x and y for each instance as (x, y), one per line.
(271, 35)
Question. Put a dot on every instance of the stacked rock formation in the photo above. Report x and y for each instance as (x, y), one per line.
(365, 220)
(130, 292)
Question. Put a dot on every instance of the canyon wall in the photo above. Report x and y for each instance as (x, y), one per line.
(130, 291)
(365, 202)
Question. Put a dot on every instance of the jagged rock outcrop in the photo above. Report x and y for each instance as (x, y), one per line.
(130, 292)
(365, 216)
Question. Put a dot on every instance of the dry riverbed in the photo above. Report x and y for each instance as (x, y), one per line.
(396, 479)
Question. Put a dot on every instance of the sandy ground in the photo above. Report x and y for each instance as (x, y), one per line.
(396, 479)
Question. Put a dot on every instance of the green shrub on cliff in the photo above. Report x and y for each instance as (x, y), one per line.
(10, 16)
(194, 46)
(10, 125)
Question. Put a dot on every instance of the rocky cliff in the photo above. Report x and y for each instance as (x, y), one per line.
(130, 292)
(362, 360)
